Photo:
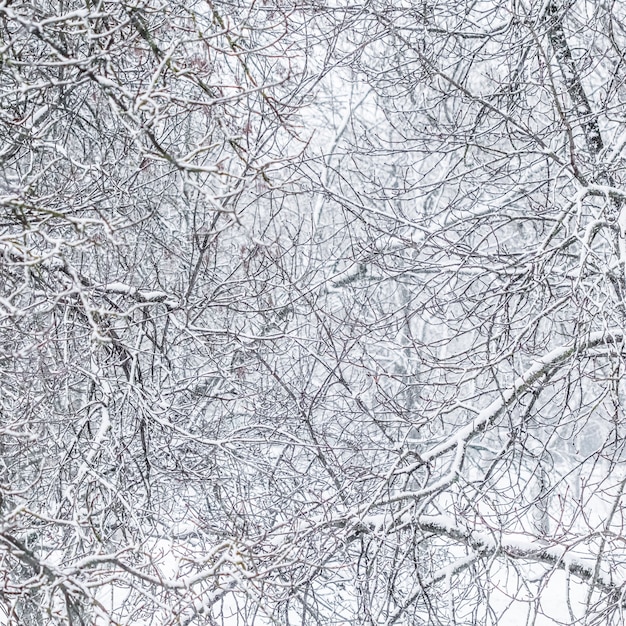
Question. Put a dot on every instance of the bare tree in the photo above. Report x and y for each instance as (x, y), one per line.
(485, 179)
(312, 312)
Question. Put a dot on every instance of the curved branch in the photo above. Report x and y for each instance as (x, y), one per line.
(489, 414)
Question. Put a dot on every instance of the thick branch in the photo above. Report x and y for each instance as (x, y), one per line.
(588, 120)
(526, 547)
(540, 368)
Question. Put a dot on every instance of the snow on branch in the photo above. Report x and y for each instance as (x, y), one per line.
(524, 546)
(540, 368)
